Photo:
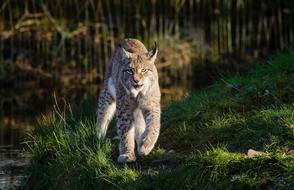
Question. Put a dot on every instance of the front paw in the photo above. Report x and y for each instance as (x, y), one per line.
(126, 158)
(145, 148)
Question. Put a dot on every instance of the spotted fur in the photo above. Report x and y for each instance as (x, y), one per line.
(131, 90)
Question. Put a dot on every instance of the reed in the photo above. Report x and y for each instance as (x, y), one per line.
(66, 43)
(79, 36)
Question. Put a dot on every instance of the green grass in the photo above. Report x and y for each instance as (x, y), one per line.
(203, 142)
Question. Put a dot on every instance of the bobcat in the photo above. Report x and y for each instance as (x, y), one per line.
(131, 90)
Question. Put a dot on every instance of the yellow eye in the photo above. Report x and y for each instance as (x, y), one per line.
(144, 70)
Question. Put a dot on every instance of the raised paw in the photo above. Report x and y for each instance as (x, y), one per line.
(126, 158)
(145, 148)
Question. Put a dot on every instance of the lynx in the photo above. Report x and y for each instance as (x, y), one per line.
(131, 90)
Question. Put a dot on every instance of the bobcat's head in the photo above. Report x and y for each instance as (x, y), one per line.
(138, 70)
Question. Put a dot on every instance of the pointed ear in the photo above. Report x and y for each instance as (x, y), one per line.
(125, 53)
(152, 54)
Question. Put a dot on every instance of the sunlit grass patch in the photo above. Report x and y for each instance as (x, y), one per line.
(203, 142)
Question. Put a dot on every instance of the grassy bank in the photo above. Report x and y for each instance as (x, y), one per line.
(203, 143)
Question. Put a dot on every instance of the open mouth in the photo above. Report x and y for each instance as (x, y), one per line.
(137, 86)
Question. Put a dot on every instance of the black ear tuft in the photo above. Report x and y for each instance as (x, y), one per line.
(155, 45)
(153, 52)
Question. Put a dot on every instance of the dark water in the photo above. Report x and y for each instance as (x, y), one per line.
(60, 48)
(13, 159)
